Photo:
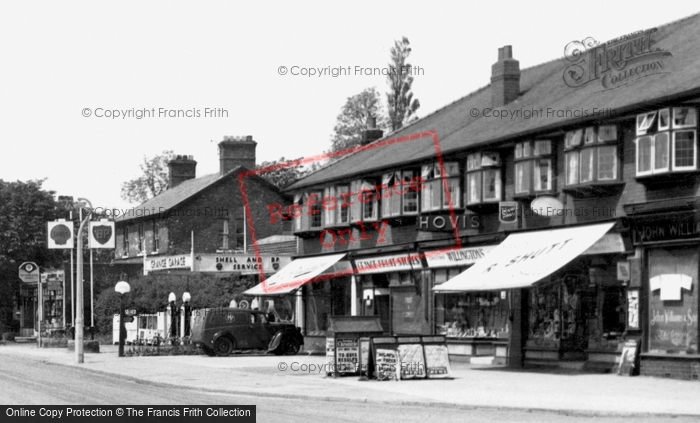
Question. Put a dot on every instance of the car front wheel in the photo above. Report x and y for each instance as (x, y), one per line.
(223, 346)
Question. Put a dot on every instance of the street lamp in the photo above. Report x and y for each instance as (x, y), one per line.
(122, 288)
(186, 314)
(173, 319)
(79, 357)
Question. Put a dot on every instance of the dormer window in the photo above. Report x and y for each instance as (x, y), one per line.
(666, 141)
(483, 178)
(533, 167)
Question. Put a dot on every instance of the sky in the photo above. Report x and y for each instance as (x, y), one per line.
(65, 66)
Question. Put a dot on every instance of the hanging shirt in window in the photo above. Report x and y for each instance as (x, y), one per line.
(671, 285)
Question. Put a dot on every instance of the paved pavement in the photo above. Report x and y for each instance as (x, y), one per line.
(472, 386)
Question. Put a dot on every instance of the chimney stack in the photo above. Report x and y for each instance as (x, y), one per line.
(372, 133)
(181, 168)
(505, 78)
(236, 151)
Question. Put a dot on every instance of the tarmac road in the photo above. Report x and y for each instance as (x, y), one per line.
(25, 380)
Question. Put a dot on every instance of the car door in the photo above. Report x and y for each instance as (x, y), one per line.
(244, 331)
(261, 331)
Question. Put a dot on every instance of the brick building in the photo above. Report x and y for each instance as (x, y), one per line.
(199, 223)
(558, 222)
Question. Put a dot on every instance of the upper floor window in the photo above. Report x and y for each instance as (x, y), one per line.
(591, 155)
(399, 194)
(533, 167)
(664, 142)
(156, 236)
(483, 177)
(365, 206)
(224, 234)
(125, 240)
(440, 190)
(142, 238)
(240, 234)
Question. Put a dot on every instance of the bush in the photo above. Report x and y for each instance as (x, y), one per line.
(8, 336)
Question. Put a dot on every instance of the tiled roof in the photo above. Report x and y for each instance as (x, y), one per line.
(276, 244)
(174, 196)
(541, 87)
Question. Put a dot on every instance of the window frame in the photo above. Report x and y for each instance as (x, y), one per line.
(225, 234)
(539, 150)
(674, 151)
(156, 236)
(478, 165)
(666, 135)
(588, 157)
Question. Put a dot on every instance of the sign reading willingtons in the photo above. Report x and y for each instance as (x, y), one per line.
(616, 62)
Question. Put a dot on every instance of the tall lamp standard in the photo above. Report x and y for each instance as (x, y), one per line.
(79, 357)
(173, 318)
(122, 288)
(186, 314)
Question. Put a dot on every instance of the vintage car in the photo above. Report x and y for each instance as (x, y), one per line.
(219, 331)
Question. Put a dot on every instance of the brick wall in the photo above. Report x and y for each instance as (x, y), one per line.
(674, 368)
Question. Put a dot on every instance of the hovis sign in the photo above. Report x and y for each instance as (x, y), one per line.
(525, 258)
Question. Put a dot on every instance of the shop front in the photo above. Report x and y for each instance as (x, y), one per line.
(474, 323)
(668, 246)
(565, 300)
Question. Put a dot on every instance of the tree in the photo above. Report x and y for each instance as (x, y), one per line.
(24, 210)
(400, 102)
(354, 118)
(280, 175)
(153, 181)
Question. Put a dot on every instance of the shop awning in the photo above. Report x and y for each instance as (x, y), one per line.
(525, 258)
(294, 275)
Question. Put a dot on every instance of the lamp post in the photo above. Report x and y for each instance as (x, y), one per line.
(122, 288)
(173, 320)
(186, 314)
(79, 356)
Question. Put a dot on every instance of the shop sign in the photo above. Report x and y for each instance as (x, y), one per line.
(29, 272)
(608, 244)
(629, 358)
(683, 226)
(437, 360)
(101, 234)
(244, 264)
(457, 257)
(183, 261)
(448, 222)
(60, 234)
(386, 362)
(508, 211)
(53, 276)
(412, 361)
(347, 353)
(388, 263)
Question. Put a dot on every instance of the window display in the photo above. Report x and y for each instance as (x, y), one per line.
(472, 315)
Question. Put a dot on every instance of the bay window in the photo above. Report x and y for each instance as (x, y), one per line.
(483, 178)
(591, 156)
(397, 198)
(441, 191)
(364, 206)
(306, 211)
(664, 142)
(533, 167)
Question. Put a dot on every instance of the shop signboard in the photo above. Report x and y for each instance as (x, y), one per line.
(384, 264)
(348, 354)
(60, 234)
(245, 264)
(412, 361)
(437, 360)
(101, 234)
(457, 257)
(386, 362)
(627, 365)
(182, 261)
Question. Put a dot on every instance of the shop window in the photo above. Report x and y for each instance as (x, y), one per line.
(397, 198)
(472, 315)
(364, 206)
(324, 299)
(664, 144)
(533, 167)
(673, 300)
(483, 178)
(441, 190)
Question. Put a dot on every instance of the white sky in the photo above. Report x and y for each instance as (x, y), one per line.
(57, 58)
